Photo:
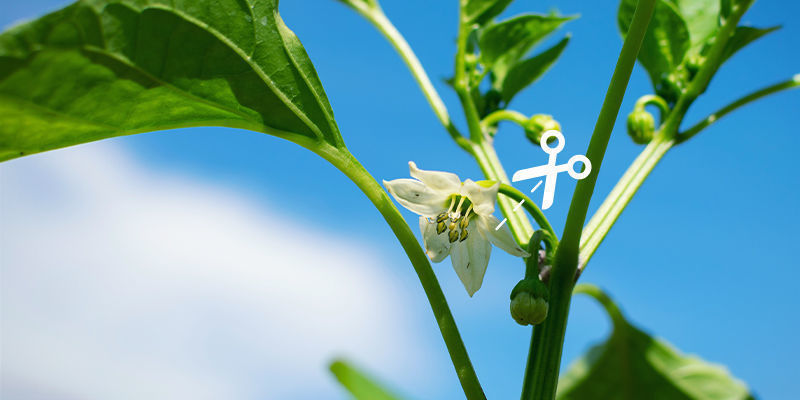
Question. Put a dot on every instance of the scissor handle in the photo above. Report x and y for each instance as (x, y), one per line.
(547, 135)
(571, 167)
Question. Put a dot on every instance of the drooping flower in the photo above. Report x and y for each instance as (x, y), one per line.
(456, 220)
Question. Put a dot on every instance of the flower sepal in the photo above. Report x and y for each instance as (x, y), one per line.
(530, 302)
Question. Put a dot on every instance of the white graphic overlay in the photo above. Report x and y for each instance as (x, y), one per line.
(551, 170)
(516, 207)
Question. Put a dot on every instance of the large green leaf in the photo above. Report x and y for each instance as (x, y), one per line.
(358, 384)
(526, 72)
(482, 11)
(103, 68)
(666, 41)
(743, 36)
(632, 365)
(702, 20)
(504, 45)
(508, 41)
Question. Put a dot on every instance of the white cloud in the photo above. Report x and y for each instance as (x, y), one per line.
(122, 283)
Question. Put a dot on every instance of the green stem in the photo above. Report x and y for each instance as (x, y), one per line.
(595, 292)
(532, 262)
(548, 338)
(489, 163)
(348, 164)
(532, 269)
(484, 154)
(461, 81)
(376, 16)
(749, 98)
(504, 115)
(529, 206)
(483, 151)
(651, 99)
(602, 221)
(605, 217)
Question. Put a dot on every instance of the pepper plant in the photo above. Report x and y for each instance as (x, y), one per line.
(103, 68)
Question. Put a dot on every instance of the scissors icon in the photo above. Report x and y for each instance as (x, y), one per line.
(550, 171)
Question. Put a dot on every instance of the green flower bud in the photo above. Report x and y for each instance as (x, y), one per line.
(641, 126)
(539, 124)
(693, 64)
(671, 86)
(529, 302)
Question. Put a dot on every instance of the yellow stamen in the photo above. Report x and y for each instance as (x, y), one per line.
(465, 218)
(453, 236)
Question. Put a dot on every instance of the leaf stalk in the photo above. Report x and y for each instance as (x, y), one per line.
(350, 166)
(547, 339)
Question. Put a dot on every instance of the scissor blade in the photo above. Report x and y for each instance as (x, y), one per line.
(549, 191)
(530, 173)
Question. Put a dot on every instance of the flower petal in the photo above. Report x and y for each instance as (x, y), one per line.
(482, 198)
(470, 259)
(415, 196)
(437, 247)
(500, 237)
(440, 181)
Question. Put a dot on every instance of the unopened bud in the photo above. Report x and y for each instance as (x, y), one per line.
(539, 124)
(641, 126)
(529, 302)
(672, 85)
(693, 64)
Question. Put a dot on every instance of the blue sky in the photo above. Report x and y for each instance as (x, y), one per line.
(701, 257)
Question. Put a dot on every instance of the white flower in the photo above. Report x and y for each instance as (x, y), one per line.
(456, 220)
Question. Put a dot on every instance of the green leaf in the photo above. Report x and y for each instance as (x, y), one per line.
(702, 20)
(358, 384)
(508, 41)
(526, 72)
(666, 41)
(503, 45)
(482, 11)
(102, 68)
(726, 7)
(632, 365)
(742, 36)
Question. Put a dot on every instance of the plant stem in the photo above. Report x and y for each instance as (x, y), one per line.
(749, 98)
(484, 154)
(548, 338)
(529, 205)
(504, 115)
(461, 82)
(602, 221)
(519, 223)
(348, 164)
(598, 294)
(605, 217)
(385, 26)
(483, 151)
(651, 99)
